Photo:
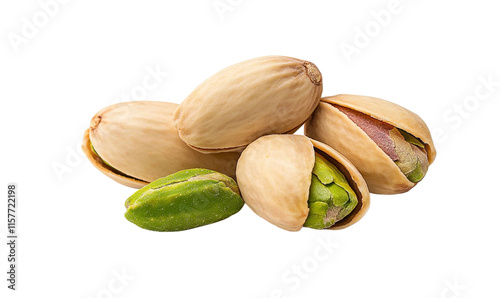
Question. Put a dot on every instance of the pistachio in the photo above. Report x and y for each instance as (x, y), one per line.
(257, 97)
(184, 200)
(331, 198)
(390, 145)
(135, 143)
(293, 181)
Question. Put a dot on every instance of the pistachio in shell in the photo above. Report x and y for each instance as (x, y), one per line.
(261, 96)
(275, 176)
(136, 142)
(184, 200)
(390, 145)
(331, 198)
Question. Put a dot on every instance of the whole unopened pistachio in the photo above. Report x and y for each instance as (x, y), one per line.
(184, 200)
(257, 97)
(391, 146)
(293, 181)
(135, 143)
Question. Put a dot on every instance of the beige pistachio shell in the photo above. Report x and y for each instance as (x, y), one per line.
(106, 169)
(237, 105)
(140, 144)
(274, 176)
(332, 127)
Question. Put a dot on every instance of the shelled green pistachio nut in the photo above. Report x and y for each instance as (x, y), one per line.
(184, 200)
(293, 181)
(390, 145)
(135, 143)
(261, 96)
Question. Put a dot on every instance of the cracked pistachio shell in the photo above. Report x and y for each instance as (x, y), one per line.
(261, 96)
(274, 176)
(332, 127)
(136, 143)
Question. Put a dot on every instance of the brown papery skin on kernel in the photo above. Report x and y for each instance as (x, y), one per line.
(377, 130)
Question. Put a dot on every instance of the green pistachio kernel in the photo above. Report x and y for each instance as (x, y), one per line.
(184, 200)
(412, 157)
(330, 196)
(411, 139)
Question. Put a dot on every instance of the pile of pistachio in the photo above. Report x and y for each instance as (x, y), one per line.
(232, 141)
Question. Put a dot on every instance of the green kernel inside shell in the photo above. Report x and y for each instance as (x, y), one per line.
(412, 157)
(331, 198)
(407, 151)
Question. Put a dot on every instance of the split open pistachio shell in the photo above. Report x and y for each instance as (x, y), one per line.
(135, 143)
(261, 96)
(274, 176)
(390, 145)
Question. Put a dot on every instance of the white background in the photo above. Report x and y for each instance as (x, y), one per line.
(439, 240)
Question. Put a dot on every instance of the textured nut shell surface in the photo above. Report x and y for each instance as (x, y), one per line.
(140, 140)
(104, 168)
(267, 95)
(334, 128)
(356, 181)
(274, 175)
(388, 112)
